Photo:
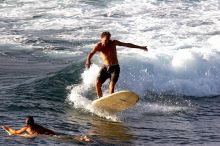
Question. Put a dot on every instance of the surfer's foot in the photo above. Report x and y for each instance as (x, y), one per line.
(85, 138)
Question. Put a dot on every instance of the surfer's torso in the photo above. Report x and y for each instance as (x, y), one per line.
(108, 53)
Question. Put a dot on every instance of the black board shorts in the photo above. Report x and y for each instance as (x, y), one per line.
(109, 71)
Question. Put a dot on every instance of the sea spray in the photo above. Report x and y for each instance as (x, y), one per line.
(79, 94)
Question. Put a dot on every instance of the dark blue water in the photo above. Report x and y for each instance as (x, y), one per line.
(43, 48)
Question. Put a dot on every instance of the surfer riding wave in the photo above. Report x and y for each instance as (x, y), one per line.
(110, 70)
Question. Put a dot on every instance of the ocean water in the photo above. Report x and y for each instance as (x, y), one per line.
(43, 48)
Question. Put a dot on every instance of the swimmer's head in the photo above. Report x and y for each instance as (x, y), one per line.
(29, 120)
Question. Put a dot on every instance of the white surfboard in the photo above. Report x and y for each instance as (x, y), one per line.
(117, 101)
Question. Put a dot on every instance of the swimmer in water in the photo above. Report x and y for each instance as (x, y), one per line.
(32, 128)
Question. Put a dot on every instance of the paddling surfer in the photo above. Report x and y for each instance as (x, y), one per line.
(107, 49)
(33, 129)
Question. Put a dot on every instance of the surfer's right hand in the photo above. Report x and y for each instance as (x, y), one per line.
(87, 65)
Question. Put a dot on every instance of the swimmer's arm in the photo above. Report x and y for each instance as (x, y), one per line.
(89, 57)
(130, 45)
(15, 132)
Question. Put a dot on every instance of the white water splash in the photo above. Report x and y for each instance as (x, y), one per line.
(183, 55)
(78, 96)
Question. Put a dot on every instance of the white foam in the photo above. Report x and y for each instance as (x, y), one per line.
(12, 39)
(190, 72)
(62, 54)
(89, 75)
(78, 94)
(214, 42)
(159, 108)
(183, 55)
(182, 59)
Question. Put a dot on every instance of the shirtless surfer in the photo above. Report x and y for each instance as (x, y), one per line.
(33, 129)
(110, 69)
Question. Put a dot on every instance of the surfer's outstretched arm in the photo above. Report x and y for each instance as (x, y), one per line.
(15, 132)
(130, 45)
(89, 57)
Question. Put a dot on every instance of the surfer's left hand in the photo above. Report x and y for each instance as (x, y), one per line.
(144, 48)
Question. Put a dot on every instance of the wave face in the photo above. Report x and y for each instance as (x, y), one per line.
(182, 38)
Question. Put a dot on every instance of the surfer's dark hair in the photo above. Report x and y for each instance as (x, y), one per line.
(29, 120)
(105, 33)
